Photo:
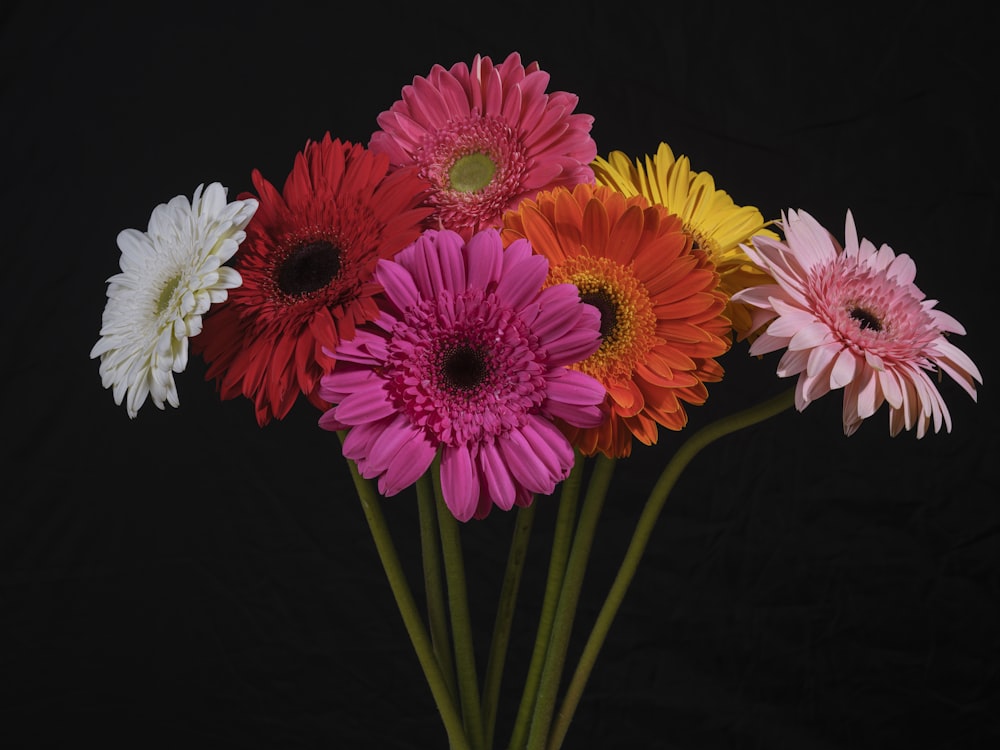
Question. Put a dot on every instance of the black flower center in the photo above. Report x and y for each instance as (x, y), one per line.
(608, 309)
(308, 267)
(866, 319)
(463, 367)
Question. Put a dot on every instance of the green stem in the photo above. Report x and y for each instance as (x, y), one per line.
(437, 610)
(561, 537)
(408, 607)
(569, 597)
(505, 616)
(461, 622)
(640, 537)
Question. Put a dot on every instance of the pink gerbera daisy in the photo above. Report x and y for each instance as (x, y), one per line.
(469, 357)
(851, 317)
(485, 138)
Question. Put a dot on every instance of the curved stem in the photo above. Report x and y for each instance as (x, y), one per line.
(561, 538)
(408, 608)
(640, 537)
(461, 622)
(569, 597)
(437, 610)
(505, 616)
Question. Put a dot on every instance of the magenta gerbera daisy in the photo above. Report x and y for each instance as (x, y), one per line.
(486, 137)
(469, 357)
(851, 317)
(306, 266)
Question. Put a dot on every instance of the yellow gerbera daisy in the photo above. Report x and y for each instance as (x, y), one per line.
(717, 225)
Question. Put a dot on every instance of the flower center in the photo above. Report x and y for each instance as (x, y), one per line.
(167, 293)
(705, 242)
(476, 167)
(471, 172)
(463, 367)
(871, 312)
(602, 300)
(628, 323)
(866, 319)
(307, 267)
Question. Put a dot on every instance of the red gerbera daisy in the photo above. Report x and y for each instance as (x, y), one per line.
(307, 265)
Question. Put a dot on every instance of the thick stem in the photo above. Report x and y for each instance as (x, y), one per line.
(505, 616)
(640, 537)
(461, 622)
(437, 606)
(408, 608)
(569, 597)
(561, 538)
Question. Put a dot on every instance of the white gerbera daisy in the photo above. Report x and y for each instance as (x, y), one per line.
(170, 276)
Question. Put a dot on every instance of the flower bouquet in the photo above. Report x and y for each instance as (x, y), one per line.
(486, 310)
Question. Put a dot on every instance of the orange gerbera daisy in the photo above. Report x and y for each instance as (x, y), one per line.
(662, 321)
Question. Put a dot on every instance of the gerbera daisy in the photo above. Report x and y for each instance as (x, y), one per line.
(717, 224)
(170, 275)
(306, 267)
(485, 138)
(851, 317)
(661, 310)
(468, 357)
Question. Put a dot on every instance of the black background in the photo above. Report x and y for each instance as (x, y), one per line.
(188, 579)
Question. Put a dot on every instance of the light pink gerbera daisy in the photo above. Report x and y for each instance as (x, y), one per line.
(470, 357)
(486, 137)
(852, 318)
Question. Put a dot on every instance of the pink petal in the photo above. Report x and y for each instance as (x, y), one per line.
(523, 275)
(435, 262)
(891, 388)
(410, 462)
(359, 441)
(560, 310)
(844, 369)
(328, 421)
(367, 404)
(499, 484)
(813, 334)
(550, 446)
(519, 456)
(398, 284)
(459, 482)
(574, 347)
(483, 259)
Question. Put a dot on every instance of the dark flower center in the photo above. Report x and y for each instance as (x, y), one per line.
(608, 309)
(463, 367)
(866, 320)
(308, 267)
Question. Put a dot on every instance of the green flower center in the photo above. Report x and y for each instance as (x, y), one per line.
(167, 294)
(471, 172)
(308, 267)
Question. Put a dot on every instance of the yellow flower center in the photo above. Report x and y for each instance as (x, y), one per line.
(628, 323)
(471, 172)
